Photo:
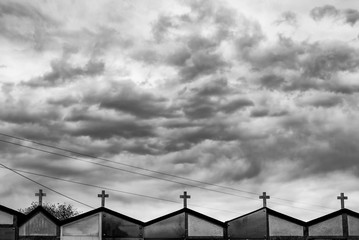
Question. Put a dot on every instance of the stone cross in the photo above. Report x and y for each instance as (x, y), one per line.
(264, 197)
(185, 196)
(342, 198)
(40, 194)
(103, 196)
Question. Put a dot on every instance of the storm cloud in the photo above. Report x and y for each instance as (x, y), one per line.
(219, 92)
(350, 16)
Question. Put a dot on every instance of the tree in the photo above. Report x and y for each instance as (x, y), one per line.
(60, 211)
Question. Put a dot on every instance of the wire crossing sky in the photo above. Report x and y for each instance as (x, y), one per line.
(221, 99)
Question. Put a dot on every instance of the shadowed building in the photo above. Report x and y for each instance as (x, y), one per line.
(265, 223)
(39, 224)
(343, 223)
(9, 223)
(184, 224)
(101, 223)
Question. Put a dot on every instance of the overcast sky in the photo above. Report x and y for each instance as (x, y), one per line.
(257, 95)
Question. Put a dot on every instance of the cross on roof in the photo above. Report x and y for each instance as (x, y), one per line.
(185, 196)
(40, 194)
(264, 197)
(103, 196)
(342, 198)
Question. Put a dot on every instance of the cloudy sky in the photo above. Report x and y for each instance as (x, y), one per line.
(250, 95)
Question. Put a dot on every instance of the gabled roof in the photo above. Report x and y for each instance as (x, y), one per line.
(273, 213)
(186, 210)
(332, 215)
(101, 209)
(285, 217)
(11, 211)
(263, 208)
(38, 209)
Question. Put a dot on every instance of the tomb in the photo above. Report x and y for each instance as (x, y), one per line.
(101, 223)
(265, 223)
(342, 223)
(9, 223)
(39, 224)
(184, 224)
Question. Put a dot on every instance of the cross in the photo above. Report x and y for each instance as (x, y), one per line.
(40, 194)
(342, 198)
(103, 196)
(185, 196)
(264, 197)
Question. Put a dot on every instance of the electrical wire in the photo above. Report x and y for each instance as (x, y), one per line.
(128, 171)
(44, 186)
(152, 171)
(115, 190)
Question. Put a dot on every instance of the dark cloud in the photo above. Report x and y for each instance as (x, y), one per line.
(236, 104)
(259, 112)
(211, 98)
(210, 131)
(161, 27)
(284, 53)
(125, 97)
(178, 123)
(14, 15)
(322, 100)
(318, 13)
(21, 113)
(197, 53)
(322, 149)
(23, 10)
(214, 87)
(290, 65)
(105, 129)
(350, 16)
(271, 81)
(200, 107)
(325, 59)
(287, 17)
(44, 130)
(48, 165)
(202, 64)
(198, 43)
(63, 72)
(149, 56)
(63, 101)
(249, 39)
(178, 57)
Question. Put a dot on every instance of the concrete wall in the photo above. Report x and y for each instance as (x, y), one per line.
(253, 225)
(199, 227)
(353, 225)
(39, 225)
(281, 227)
(330, 227)
(115, 227)
(88, 228)
(173, 227)
(6, 218)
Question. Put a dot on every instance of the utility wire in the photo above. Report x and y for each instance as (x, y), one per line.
(149, 170)
(114, 190)
(44, 186)
(128, 171)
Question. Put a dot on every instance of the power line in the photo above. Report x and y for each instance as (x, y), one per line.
(128, 171)
(120, 169)
(153, 171)
(114, 190)
(48, 188)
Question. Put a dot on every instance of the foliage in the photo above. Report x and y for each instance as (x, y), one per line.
(60, 211)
